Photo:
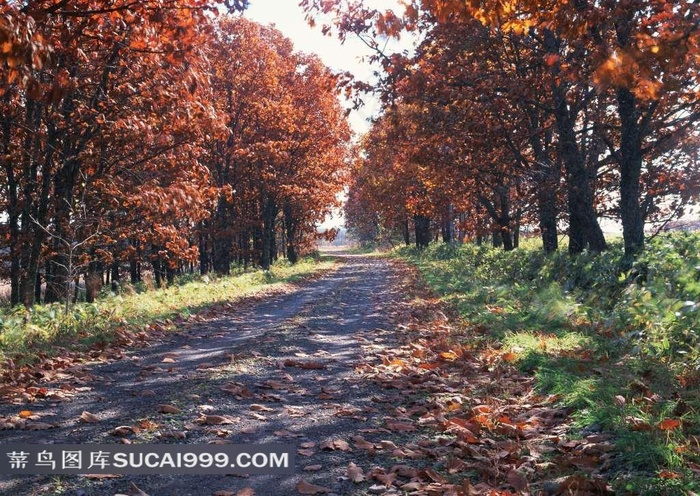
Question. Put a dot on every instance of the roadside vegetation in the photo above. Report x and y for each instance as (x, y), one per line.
(27, 335)
(620, 349)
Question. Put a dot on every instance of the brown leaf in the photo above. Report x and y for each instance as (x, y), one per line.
(516, 480)
(306, 452)
(168, 409)
(434, 476)
(400, 427)
(275, 385)
(361, 443)
(304, 487)
(206, 365)
(335, 444)
(388, 445)
(122, 431)
(312, 468)
(355, 473)
(89, 418)
(168, 360)
(216, 420)
(246, 491)
(261, 408)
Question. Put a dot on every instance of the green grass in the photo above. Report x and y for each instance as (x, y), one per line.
(46, 329)
(593, 333)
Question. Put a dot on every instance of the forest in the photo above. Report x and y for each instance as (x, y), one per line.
(533, 170)
(532, 116)
(158, 136)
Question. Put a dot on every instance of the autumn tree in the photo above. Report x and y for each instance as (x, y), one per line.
(96, 116)
(280, 163)
(622, 85)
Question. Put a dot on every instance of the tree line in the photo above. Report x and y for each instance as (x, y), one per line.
(546, 114)
(162, 135)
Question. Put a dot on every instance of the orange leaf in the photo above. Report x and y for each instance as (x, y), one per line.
(669, 424)
(25, 414)
(448, 355)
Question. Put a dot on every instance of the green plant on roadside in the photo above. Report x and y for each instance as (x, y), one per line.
(46, 329)
(619, 344)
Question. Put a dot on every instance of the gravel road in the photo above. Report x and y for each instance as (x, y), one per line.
(287, 364)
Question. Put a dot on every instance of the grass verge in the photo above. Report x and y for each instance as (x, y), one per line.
(46, 330)
(619, 346)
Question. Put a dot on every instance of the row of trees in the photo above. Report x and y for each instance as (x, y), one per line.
(158, 132)
(530, 112)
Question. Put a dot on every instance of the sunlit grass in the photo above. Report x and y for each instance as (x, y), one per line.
(618, 346)
(44, 328)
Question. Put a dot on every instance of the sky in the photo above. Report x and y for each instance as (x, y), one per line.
(288, 17)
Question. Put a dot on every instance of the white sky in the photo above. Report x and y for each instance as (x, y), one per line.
(288, 17)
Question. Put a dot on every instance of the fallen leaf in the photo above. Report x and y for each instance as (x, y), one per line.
(516, 480)
(335, 444)
(216, 420)
(260, 408)
(355, 473)
(88, 417)
(168, 360)
(669, 424)
(306, 452)
(433, 475)
(400, 427)
(25, 414)
(122, 431)
(312, 468)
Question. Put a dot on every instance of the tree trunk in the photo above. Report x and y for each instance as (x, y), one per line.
(422, 226)
(116, 277)
(268, 232)
(203, 250)
(630, 160)
(290, 224)
(448, 226)
(584, 230)
(406, 232)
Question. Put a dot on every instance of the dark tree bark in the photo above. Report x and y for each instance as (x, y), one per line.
(406, 232)
(116, 276)
(290, 233)
(269, 214)
(448, 228)
(630, 161)
(584, 229)
(422, 227)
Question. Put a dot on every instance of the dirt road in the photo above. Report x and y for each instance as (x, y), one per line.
(287, 366)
